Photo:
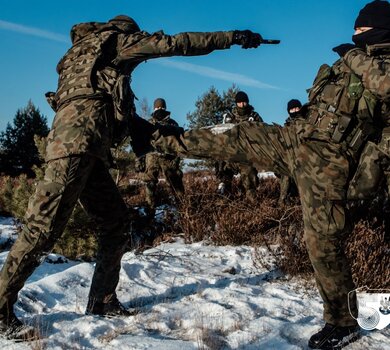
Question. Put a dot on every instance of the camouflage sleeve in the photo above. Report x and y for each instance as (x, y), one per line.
(257, 117)
(183, 44)
(243, 143)
(374, 71)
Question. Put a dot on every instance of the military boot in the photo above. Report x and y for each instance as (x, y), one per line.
(112, 308)
(333, 337)
(13, 329)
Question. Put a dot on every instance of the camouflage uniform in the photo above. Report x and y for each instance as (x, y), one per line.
(94, 108)
(248, 174)
(348, 107)
(288, 187)
(167, 164)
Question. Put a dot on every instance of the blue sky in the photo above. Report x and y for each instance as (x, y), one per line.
(35, 34)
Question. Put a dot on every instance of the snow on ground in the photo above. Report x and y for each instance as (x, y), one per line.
(189, 296)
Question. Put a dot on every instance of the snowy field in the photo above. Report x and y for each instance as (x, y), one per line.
(193, 296)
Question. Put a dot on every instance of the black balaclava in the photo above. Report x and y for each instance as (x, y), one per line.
(376, 14)
(160, 114)
(241, 96)
(293, 104)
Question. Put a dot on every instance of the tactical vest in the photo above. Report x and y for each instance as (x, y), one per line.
(77, 69)
(340, 104)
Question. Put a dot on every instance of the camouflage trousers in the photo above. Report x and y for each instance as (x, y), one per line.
(321, 170)
(67, 180)
(170, 168)
(248, 177)
(287, 189)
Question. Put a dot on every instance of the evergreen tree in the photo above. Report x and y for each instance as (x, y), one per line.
(211, 106)
(18, 151)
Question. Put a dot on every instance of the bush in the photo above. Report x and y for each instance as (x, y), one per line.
(204, 215)
(78, 240)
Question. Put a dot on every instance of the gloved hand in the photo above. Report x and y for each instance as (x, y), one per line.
(140, 164)
(247, 39)
(343, 49)
(141, 132)
(169, 130)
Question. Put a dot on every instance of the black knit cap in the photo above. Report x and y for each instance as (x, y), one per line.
(293, 104)
(159, 103)
(241, 96)
(375, 14)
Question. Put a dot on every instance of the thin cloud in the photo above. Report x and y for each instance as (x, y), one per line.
(216, 73)
(14, 27)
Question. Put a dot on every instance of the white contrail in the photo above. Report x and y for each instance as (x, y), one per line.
(14, 27)
(238, 79)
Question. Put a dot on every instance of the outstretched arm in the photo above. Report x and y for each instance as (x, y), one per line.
(183, 44)
(245, 143)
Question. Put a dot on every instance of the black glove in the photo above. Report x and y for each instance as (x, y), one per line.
(141, 132)
(246, 39)
(343, 49)
(140, 164)
(169, 130)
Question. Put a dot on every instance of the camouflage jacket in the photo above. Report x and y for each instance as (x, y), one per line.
(349, 101)
(238, 115)
(167, 120)
(98, 67)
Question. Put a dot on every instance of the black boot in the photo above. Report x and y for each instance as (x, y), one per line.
(113, 308)
(333, 337)
(13, 329)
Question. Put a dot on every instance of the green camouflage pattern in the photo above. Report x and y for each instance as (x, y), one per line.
(287, 189)
(248, 174)
(77, 127)
(66, 180)
(369, 173)
(320, 170)
(320, 163)
(85, 126)
(238, 115)
(92, 99)
(169, 167)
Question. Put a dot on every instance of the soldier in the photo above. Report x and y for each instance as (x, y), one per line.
(94, 110)
(287, 184)
(348, 113)
(293, 108)
(241, 112)
(156, 162)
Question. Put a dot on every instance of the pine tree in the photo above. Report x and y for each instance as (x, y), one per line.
(18, 150)
(211, 106)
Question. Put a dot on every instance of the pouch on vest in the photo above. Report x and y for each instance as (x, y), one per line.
(369, 173)
(323, 76)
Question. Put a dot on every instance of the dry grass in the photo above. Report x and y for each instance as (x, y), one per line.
(202, 214)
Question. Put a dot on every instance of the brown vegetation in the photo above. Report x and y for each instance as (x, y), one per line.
(202, 214)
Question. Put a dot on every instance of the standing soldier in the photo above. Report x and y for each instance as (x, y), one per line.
(94, 110)
(241, 112)
(346, 128)
(155, 162)
(287, 184)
